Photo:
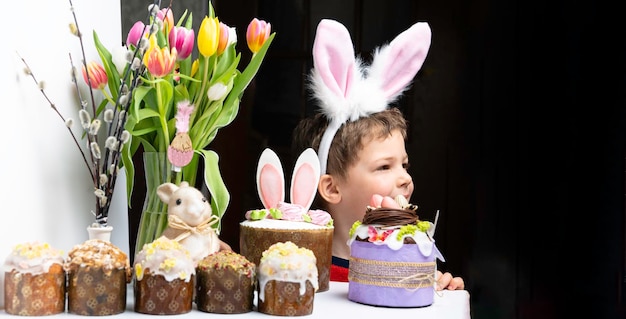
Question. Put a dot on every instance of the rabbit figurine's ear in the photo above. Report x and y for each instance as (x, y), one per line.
(270, 179)
(395, 65)
(306, 175)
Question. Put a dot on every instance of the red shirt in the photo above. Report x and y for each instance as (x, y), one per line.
(339, 269)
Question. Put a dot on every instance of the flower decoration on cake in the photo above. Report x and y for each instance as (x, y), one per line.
(391, 221)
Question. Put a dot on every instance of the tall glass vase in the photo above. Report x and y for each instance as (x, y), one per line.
(157, 170)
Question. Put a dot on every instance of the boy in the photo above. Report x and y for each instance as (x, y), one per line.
(366, 157)
(358, 139)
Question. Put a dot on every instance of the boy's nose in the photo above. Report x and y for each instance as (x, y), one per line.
(404, 179)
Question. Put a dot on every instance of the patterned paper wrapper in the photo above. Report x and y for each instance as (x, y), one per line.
(254, 241)
(283, 298)
(380, 276)
(224, 291)
(93, 292)
(154, 295)
(35, 295)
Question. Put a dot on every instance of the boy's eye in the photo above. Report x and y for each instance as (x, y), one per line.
(383, 167)
(406, 165)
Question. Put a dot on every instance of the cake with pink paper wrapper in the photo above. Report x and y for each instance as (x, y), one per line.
(392, 256)
(281, 221)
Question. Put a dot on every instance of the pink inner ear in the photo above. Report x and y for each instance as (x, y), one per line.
(333, 56)
(304, 191)
(272, 186)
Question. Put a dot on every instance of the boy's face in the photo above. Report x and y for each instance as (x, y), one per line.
(381, 168)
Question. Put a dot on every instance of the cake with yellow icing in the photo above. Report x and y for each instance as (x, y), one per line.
(34, 280)
(287, 278)
(164, 278)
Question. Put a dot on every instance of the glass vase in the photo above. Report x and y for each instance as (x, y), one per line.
(157, 171)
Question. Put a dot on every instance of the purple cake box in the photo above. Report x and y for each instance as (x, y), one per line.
(381, 276)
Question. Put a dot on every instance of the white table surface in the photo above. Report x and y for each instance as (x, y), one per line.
(448, 304)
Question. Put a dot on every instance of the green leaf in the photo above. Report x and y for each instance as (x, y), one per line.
(146, 113)
(165, 93)
(220, 197)
(113, 78)
(127, 162)
(249, 72)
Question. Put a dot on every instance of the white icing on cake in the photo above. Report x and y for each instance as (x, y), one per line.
(287, 262)
(165, 257)
(33, 258)
(280, 224)
(389, 236)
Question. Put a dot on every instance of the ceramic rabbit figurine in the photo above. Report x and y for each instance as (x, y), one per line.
(190, 219)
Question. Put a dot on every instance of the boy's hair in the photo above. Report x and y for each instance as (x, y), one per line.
(349, 139)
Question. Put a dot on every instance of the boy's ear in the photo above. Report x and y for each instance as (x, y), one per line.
(328, 190)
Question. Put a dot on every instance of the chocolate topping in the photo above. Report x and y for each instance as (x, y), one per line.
(389, 216)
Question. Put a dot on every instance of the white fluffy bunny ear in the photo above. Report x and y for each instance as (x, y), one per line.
(335, 70)
(306, 175)
(395, 65)
(270, 179)
(347, 90)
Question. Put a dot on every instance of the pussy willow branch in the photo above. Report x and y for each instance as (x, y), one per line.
(53, 106)
(136, 78)
(94, 171)
(84, 62)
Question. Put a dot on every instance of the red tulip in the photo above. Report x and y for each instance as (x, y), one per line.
(94, 75)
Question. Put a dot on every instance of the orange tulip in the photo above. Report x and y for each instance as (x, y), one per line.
(159, 61)
(223, 39)
(258, 32)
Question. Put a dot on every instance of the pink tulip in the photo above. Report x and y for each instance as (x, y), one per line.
(258, 32)
(134, 35)
(94, 75)
(183, 40)
(167, 17)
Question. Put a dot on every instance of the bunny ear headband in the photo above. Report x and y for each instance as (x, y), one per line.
(348, 90)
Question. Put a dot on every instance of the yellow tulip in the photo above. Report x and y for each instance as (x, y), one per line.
(208, 36)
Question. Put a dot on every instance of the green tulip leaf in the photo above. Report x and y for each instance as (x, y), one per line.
(220, 197)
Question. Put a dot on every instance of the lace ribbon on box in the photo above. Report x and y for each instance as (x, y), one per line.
(409, 275)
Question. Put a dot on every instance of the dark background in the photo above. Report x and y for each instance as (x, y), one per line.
(517, 133)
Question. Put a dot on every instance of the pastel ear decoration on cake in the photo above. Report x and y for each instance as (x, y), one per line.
(270, 179)
(306, 175)
(347, 90)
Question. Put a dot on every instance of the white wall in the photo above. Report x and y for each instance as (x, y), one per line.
(45, 190)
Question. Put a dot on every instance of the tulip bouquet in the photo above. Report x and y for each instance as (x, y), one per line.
(183, 101)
